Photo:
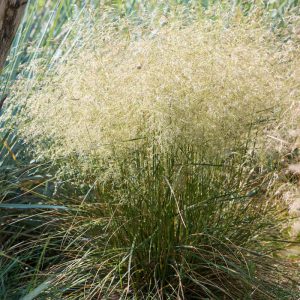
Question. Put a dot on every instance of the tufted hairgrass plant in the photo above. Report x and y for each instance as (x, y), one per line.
(157, 127)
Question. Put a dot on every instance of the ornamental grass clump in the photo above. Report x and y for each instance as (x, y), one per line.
(164, 138)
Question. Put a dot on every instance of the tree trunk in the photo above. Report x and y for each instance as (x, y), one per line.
(11, 13)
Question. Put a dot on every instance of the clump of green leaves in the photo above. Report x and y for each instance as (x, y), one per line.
(176, 225)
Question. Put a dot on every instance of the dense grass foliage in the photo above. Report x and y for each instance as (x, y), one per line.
(173, 227)
(144, 151)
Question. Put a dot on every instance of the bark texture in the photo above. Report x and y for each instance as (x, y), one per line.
(11, 13)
